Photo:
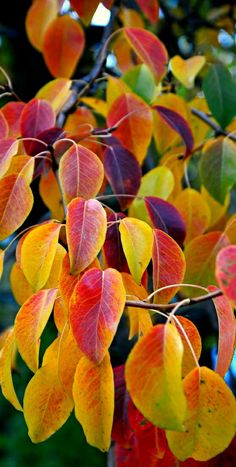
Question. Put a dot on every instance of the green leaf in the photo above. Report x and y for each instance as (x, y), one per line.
(220, 91)
(141, 82)
(218, 168)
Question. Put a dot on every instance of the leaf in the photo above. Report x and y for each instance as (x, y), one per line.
(122, 171)
(135, 128)
(137, 241)
(30, 322)
(218, 166)
(141, 82)
(21, 164)
(7, 355)
(166, 217)
(209, 401)
(2, 256)
(218, 210)
(227, 328)
(193, 335)
(38, 18)
(220, 91)
(225, 272)
(153, 377)
(96, 307)
(38, 252)
(51, 195)
(63, 46)
(179, 124)
(15, 204)
(68, 357)
(157, 182)
(85, 9)
(150, 9)
(45, 396)
(12, 113)
(21, 289)
(60, 314)
(194, 211)
(93, 393)
(67, 281)
(4, 128)
(8, 148)
(200, 255)
(85, 231)
(80, 173)
(57, 92)
(149, 49)
(186, 70)
(36, 117)
(168, 266)
(112, 248)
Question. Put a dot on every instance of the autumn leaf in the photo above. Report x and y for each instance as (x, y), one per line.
(96, 307)
(6, 357)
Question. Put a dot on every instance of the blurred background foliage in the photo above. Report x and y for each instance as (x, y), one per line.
(186, 27)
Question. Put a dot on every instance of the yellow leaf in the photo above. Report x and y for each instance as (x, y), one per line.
(157, 182)
(96, 104)
(217, 210)
(21, 289)
(93, 393)
(2, 254)
(68, 359)
(137, 242)
(51, 195)
(57, 92)
(153, 377)
(209, 404)
(38, 252)
(186, 70)
(53, 280)
(20, 164)
(46, 404)
(30, 322)
(6, 357)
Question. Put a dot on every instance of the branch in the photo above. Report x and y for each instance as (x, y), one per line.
(170, 306)
(204, 117)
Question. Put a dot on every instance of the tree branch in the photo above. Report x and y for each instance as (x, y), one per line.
(170, 306)
(218, 130)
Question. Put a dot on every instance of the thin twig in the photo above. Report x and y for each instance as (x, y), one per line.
(205, 118)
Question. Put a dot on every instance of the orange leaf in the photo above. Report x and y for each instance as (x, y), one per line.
(15, 204)
(57, 92)
(149, 49)
(153, 376)
(195, 212)
(63, 46)
(209, 401)
(96, 307)
(60, 314)
(38, 18)
(135, 131)
(30, 322)
(193, 335)
(68, 357)
(150, 8)
(20, 164)
(7, 355)
(67, 281)
(168, 265)
(225, 272)
(85, 9)
(8, 147)
(38, 252)
(200, 255)
(21, 289)
(51, 195)
(85, 231)
(46, 404)
(81, 173)
(2, 255)
(93, 393)
(12, 113)
(227, 328)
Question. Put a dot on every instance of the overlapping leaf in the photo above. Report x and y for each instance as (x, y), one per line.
(185, 326)
(209, 401)
(57, 92)
(93, 393)
(153, 377)
(38, 18)
(168, 265)
(227, 328)
(30, 323)
(225, 272)
(38, 253)
(81, 173)
(8, 148)
(46, 404)
(12, 113)
(36, 117)
(85, 231)
(137, 241)
(96, 307)
(112, 248)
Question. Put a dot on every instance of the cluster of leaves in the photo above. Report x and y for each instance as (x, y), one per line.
(166, 240)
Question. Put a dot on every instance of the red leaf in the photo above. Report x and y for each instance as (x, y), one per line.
(149, 49)
(8, 148)
(85, 8)
(179, 124)
(150, 8)
(227, 328)
(166, 217)
(12, 113)
(122, 171)
(3, 126)
(36, 117)
(96, 307)
(226, 272)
